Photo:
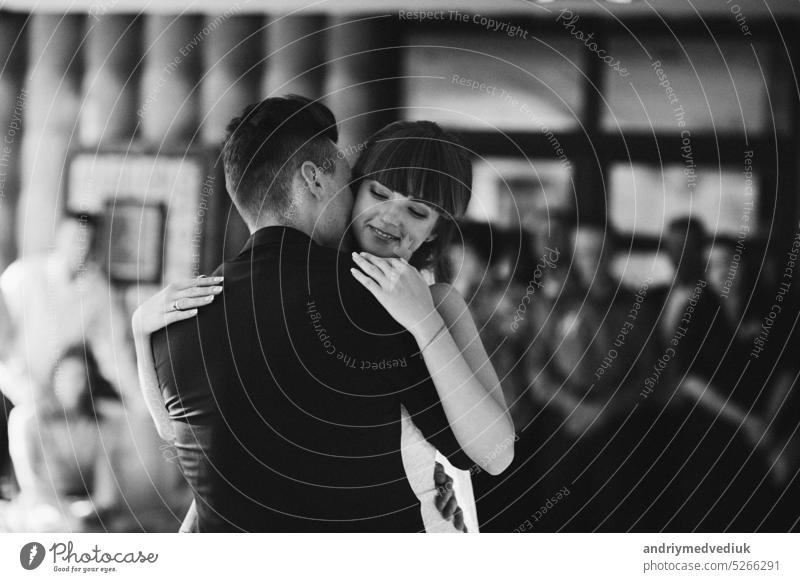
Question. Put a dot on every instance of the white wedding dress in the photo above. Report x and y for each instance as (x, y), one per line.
(419, 458)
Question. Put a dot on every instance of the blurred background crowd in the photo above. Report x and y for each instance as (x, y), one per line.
(629, 254)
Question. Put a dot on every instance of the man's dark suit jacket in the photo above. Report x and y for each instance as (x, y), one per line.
(292, 381)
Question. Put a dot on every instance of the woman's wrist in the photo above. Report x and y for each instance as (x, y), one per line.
(428, 329)
(136, 324)
(137, 327)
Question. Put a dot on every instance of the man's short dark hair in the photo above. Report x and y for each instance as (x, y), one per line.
(266, 145)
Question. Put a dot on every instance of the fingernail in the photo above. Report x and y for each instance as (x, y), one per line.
(209, 298)
(217, 289)
(192, 312)
(219, 279)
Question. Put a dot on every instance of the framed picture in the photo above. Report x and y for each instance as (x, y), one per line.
(135, 232)
(163, 209)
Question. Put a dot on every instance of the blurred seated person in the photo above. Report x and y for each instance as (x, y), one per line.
(550, 236)
(596, 348)
(750, 287)
(705, 359)
(694, 316)
(72, 450)
(724, 276)
(587, 365)
(59, 299)
(729, 451)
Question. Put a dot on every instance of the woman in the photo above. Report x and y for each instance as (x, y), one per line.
(411, 182)
(72, 449)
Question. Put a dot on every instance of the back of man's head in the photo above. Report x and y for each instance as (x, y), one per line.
(266, 145)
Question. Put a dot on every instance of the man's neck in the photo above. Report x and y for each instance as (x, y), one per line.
(269, 222)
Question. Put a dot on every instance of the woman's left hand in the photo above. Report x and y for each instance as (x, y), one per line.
(176, 302)
(401, 289)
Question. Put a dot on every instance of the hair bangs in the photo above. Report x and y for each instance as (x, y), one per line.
(427, 168)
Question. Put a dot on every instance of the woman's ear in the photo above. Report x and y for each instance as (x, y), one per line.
(310, 174)
(432, 236)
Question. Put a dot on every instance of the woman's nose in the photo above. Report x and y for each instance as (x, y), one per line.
(391, 216)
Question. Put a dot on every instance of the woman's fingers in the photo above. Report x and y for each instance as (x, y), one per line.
(443, 497)
(384, 265)
(366, 281)
(199, 291)
(184, 303)
(450, 508)
(174, 316)
(370, 269)
(458, 520)
(201, 281)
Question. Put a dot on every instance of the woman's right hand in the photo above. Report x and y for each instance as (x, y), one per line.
(175, 302)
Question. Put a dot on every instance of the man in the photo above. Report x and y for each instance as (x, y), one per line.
(599, 340)
(731, 452)
(285, 392)
(694, 311)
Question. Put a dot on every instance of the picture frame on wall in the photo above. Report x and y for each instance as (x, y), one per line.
(188, 187)
(135, 232)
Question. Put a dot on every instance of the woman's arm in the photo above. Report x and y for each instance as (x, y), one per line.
(451, 306)
(157, 312)
(465, 380)
(148, 382)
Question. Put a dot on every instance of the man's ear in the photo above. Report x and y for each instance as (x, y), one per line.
(310, 174)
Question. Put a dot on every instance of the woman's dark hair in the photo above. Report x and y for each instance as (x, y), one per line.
(421, 160)
(97, 387)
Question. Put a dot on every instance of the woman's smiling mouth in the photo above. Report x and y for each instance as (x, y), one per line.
(383, 235)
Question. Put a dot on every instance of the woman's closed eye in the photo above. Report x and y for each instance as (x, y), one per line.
(377, 194)
(421, 214)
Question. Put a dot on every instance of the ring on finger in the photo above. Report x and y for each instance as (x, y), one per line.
(175, 306)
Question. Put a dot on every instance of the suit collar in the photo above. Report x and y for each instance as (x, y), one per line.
(276, 235)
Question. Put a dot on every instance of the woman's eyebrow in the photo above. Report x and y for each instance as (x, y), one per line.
(386, 190)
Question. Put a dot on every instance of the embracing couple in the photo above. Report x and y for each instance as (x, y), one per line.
(308, 383)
